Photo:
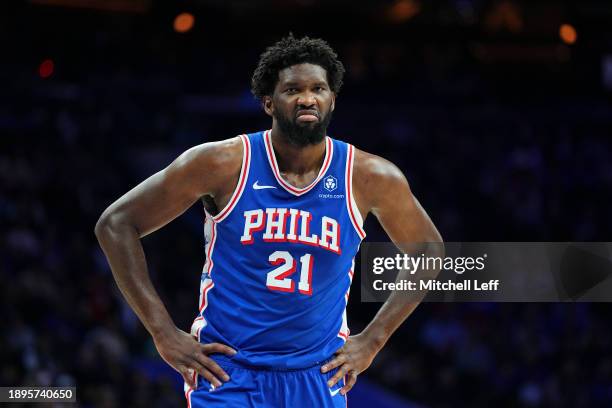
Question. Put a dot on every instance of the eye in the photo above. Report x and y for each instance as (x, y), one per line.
(291, 90)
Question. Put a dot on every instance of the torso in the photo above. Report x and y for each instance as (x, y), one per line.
(280, 257)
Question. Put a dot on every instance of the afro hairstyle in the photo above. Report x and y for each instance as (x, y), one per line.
(291, 51)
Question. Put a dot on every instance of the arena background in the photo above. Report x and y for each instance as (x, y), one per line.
(498, 112)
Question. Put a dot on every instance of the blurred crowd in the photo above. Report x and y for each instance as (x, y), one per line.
(488, 163)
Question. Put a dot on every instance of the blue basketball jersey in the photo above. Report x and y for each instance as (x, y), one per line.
(280, 260)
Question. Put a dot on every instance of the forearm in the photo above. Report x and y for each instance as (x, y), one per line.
(390, 316)
(400, 306)
(125, 254)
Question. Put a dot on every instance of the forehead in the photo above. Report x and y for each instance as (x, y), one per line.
(302, 73)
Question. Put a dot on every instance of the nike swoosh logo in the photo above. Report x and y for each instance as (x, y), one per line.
(334, 392)
(256, 186)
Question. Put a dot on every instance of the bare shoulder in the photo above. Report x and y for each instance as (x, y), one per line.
(375, 177)
(369, 167)
(211, 166)
(214, 154)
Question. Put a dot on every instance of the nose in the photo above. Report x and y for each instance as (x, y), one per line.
(306, 99)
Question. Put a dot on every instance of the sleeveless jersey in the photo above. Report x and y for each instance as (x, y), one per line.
(280, 261)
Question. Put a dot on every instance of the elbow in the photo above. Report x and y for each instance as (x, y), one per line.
(438, 248)
(438, 238)
(102, 225)
(113, 223)
(108, 221)
(435, 235)
(435, 247)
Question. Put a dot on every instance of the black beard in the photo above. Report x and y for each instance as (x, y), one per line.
(306, 134)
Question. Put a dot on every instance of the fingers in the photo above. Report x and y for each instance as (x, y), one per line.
(218, 348)
(202, 369)
(350, 382)
(187, 356)
(336, 362)
(339, 374)
(211, 366)
(188, 376)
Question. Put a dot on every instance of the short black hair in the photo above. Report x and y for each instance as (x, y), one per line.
(291, 51)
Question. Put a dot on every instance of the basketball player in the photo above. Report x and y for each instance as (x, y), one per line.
(284, 221)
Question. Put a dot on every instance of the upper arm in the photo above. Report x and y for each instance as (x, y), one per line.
(208, 168)
(381, 188)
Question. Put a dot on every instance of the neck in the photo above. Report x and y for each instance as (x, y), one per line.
(296, 159)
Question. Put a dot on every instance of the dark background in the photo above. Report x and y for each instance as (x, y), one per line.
(502, 129)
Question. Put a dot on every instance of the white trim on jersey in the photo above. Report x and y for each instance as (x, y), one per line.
(208, 283)
(242, 179)
(351, 205)
(329, 153)
(210, 235)
(189, 390)
(344, 329)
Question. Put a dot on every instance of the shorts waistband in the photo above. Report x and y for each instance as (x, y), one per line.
(227, 361)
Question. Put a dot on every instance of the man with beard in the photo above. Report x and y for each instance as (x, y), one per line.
(284, 215)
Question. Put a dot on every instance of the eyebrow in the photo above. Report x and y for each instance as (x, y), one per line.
(293, 83)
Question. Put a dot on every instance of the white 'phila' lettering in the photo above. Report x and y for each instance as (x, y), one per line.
(330, 231)
(276, 221)
(253, 221)
(291, 225)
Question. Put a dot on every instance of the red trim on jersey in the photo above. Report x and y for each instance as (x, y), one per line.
(211, 246)
(349, 193)
(205, 290)
(188, 395)
(213, 239)
(346, 298)
(329, 151)
(191, 389)
(244, 171)
(204, 294)
(197, 319)
(350, 274)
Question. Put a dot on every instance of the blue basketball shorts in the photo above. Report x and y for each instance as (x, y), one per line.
(250, 387)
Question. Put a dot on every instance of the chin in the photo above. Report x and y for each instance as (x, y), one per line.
(307, 124)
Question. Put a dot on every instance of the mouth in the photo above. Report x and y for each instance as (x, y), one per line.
(307, 115)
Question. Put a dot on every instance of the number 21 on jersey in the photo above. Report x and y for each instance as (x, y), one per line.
(279, 278)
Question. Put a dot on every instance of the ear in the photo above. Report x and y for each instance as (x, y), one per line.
(268, 105)
(333, 103)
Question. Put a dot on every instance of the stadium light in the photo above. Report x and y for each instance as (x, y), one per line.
(403, 10)
(46, 68)
(568, 34)
(183, 22)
